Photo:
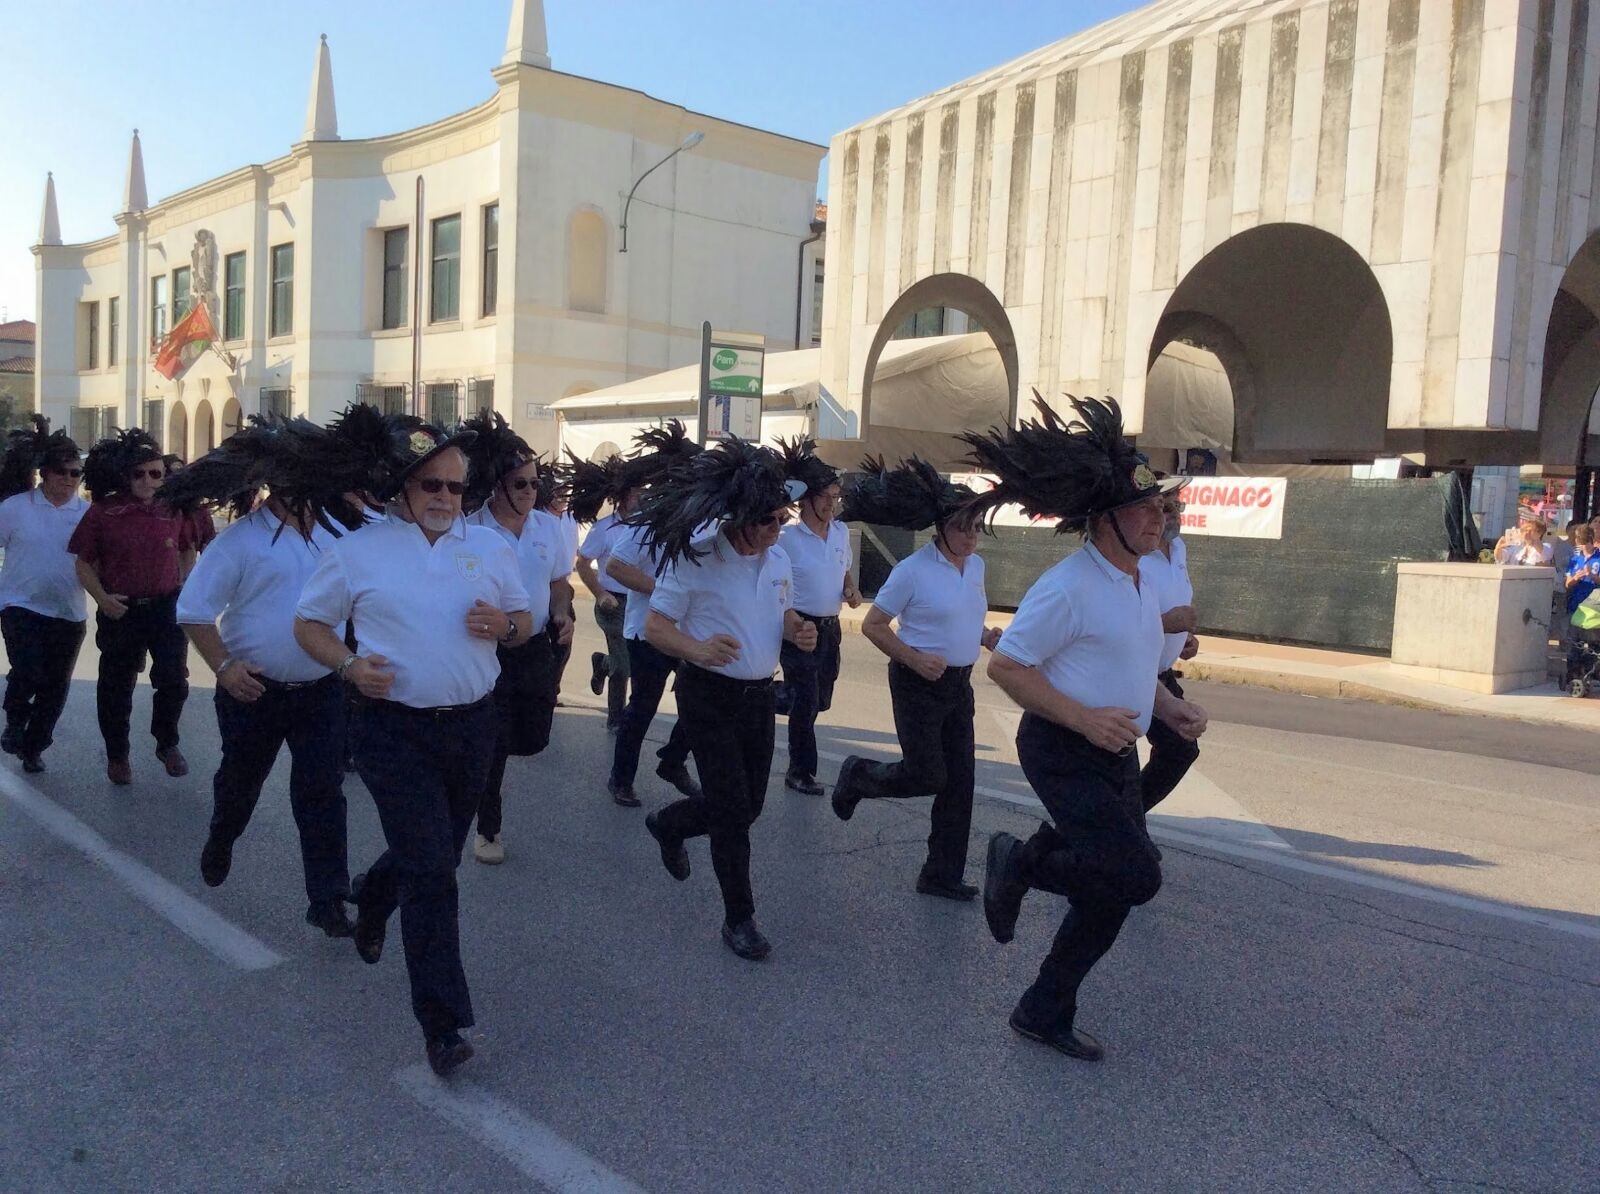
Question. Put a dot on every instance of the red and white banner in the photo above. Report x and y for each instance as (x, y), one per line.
(1234, 507)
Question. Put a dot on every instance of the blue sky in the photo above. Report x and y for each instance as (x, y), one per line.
(215, 86)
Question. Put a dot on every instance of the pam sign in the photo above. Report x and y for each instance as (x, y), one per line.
(1235, 507)
(731, 365)
(736, 370)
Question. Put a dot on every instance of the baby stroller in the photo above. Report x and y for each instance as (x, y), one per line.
(1583, 656)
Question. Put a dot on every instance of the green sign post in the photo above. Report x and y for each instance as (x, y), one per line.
(731, 375)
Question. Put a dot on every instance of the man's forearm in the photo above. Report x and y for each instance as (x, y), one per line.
(590, 576)
(561, 598)
(663, 634)
(320, 642)
(89, 578)
(1029, 689)
(1181, 619)
(208, 641)
(882, 636)
(634, 579)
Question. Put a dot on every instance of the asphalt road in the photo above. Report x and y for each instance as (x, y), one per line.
(1374, 965)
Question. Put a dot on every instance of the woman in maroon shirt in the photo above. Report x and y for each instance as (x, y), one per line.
(133, 554)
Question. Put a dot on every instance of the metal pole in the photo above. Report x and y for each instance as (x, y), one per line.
(416, 310)
(705, 379)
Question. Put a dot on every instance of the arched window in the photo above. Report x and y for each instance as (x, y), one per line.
(586, 262)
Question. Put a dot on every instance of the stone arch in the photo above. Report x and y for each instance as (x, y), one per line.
(205, 430)
(1300, 323)
(588, 261)
(178, 429)
(1569, 414)
(232, 417)
(959, 292)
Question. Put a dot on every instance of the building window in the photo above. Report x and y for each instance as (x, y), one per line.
(491, 258)
(395, 243)
(158, 309)
(233, 296)
(444, 301)
(155, 421)
(816, 304)
(929, 322)
(390, 399)
(276, 402)
(444, 403)
(181, 302)
(586, 262)
(281, 321)
(89, 335)
(91, 423)
(480, 395)
(113, 328)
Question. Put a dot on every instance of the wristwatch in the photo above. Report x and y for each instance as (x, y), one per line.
(345, 664)
(511, 632)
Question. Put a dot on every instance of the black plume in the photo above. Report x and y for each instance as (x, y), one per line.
(497, 451)
(912, 496)
(229, 477)
(25, 452)
(736, 483)
(661, 449)
(108, 467)
(801, 462)
(591, 484)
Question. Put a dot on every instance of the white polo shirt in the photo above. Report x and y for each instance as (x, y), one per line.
(1094, 634)
(1171, 580)
(724, 592)
(539, 557)
(820, 566)
(408, 600)
(941, 610)
(39, 573)
(252, 584)
(597, 545)
(628, 548)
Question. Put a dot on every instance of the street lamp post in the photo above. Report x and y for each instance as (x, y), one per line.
(689, 142)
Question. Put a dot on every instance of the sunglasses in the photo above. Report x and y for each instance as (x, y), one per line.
(520, 483)
(155, 474)
(68, 472)
(436, 485)
(773, 520)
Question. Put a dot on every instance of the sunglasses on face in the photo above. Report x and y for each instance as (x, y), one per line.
(519, 483)
(437, 485)
(155, 474)
(773, 520)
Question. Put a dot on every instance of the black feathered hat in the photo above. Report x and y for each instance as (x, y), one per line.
(803, 464)
(912, 495)
(31, 448)
(378, 451)
(735, 484)
(590, 484)
(229, 477)
(660, 450)
(1069, 470)
(108, 469)
(495, 452)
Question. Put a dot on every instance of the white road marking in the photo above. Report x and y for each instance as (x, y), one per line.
(1198, 805)
(188, 915)
(533, 1148)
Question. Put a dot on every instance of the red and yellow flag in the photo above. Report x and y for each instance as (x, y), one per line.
(194, 328)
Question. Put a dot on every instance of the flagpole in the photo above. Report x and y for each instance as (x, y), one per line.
(416, 310)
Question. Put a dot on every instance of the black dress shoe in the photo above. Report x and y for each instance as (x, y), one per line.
(746, 940)
(673, 856)
(1003, 889)
(844, 798)
(1068, 1040)
(806, 785)
(369, 928)
(216, 860)
(172, 759)
(680, 778)
(447, 1052)
(31, 762)
(119, 772)
(331, 917)
(11, 740)
(948, 891)
(623, 794)
(597, 678)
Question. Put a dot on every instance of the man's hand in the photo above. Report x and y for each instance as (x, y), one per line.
(1110, 728)
(852, 598)
(1188, 719)
(606, 601)
(804, 635)
(717, 651)
(563, 627)
(991, 638)
(114, 605)
(927, 665)
(238, 680)
(1191, 648)
(486, 622)
(371, 676)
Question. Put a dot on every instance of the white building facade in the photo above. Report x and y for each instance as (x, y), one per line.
(510, 291)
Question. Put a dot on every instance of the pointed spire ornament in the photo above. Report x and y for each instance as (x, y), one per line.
(134, 195)
(322, 118)
(50, 221)
(526, 40)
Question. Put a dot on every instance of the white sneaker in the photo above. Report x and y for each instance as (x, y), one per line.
(488, 850)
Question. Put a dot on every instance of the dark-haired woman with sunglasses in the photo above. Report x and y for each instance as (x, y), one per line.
(42, 610)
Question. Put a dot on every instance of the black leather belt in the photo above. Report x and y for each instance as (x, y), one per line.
(291, 685)
(133, 602)
(819, 619)
(434, 712)
(731, 684)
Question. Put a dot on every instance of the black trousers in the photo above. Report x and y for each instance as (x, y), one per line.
(311, 719)
(610, 624)
(810, 677)
(1097, 854)
(730, 724)
(648, 673)
(43, 652)
(525, 707)
(1171, 754)
(426, 772)
(934, 724)
(149, 627)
